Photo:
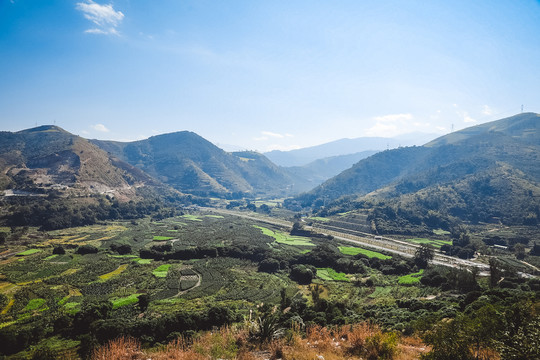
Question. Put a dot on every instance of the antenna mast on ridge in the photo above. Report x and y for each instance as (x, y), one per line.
(522, 109)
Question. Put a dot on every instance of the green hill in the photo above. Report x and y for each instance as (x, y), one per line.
(52, 178)
(48, 157)
(487, 172)
(193, 165)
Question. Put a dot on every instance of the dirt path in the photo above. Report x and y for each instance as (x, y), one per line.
(189, 277)
(529, 265)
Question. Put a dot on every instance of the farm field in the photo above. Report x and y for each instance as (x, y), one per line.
(331, 275)
(283, 238)
(411, 278)
(222, 267)
(350, 250)
(434, 242)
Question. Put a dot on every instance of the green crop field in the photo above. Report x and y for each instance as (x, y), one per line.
(331, 275)
(29, 252)
(213, 266)
(128, 300)
(411, 279)
(191, 217)
(161, 271)
(350, 250)
(35, 304)
(441, 232)
(283, 238)
(318, 218)
(162, 238)
(143, 261)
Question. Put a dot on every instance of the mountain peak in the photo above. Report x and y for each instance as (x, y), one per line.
(524, 126)
(44, 128)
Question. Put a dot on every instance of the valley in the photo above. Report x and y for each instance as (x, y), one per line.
(172, 238)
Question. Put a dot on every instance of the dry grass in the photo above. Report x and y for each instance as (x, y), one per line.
(119, 349)
(411, 348)
(118, 271)
(359, 341)
(8, 306)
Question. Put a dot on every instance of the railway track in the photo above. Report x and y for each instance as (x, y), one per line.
(359, 238)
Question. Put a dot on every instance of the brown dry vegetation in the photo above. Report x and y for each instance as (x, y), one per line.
(359, 341)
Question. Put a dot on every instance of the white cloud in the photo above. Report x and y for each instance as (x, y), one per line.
(103, 16)
(394, 124)
(486, 110)
(275, 135)
(467, 118)
(266, 135)
(100, 128)
(282, 147)
(393, 118)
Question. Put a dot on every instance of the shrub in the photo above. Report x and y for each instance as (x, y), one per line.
(302, 274)
(59, 250)
(269, 265)
(86, 249)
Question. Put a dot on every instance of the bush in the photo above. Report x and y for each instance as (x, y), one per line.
(269, 265)
(58, 250)
(86, 249)
(302, 274)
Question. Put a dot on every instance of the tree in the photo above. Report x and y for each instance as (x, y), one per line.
(519, 250)
(59, 250)
(144, 301)
(423, 255)
(460, 236)
(302, 274)
(448, 341)
(3, 237)
(535, 250)
(269, 265)
(264, 209)
(86, 249)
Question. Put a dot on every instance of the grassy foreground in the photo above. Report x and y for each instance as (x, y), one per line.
(359, 341)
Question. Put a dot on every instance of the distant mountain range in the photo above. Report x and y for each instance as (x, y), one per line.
(483, 173)
(304, 156)
(486, 172)
(316, 172)
(49, 158)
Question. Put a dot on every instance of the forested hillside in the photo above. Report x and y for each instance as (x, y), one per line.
(193, 165)
(52, 179)
(486, 173)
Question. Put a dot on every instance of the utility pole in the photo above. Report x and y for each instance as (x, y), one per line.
(452, 128)
(522, 108)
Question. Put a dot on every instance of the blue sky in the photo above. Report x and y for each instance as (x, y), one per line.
(266, 74)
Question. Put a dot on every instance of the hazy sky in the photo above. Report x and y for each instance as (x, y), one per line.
(266, 74)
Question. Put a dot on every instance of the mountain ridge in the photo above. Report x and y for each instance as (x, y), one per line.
(469, 157)
(192, 164)
(345, 146)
